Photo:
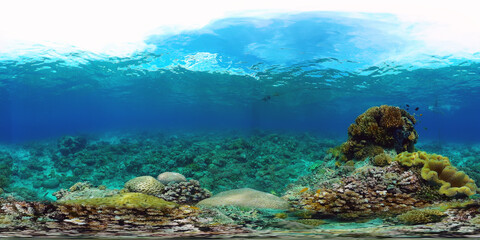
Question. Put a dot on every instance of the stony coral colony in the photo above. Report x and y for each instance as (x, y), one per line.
(377, 172)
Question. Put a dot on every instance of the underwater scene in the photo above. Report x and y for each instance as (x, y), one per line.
(298, 125)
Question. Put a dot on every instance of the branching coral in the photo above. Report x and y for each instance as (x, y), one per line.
(438, 169)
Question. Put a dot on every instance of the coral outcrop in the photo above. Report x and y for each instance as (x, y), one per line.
(145, 184)
(185, 192)
(128, 214)
(379, 128)
(439, 170)
(370, 191)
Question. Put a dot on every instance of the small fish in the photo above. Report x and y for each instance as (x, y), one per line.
(407, 105)
(194, 208)
(319, 190)
(425, 128)
(421, 114)
(266, 98)
(304, 190)
(416, 109)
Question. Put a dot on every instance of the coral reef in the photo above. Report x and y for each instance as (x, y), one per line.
(379, 128)
(71, 144)
(219, 161)
(331, 188)
(421, 216)
(185, 192)
(245, 197)
(439, 170)
(129, 214)
(145, 184)
(171, 177)
(381, 160)
(6, 163)
(371, 191)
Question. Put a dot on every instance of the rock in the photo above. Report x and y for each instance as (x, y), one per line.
(245, 197)
(169, 177)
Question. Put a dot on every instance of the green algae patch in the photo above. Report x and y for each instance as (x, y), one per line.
(125, 200)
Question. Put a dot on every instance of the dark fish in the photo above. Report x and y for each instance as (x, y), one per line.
(407, 105)
(266, 98)
(425, 128)
(416, 109)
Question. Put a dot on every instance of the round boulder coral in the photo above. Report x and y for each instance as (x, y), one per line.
(245, 197)
(145, 184)
(171, 177)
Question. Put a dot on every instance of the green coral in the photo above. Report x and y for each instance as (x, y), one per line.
(421, 216)
(125, 200)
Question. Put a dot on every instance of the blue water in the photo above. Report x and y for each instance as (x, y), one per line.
(306, 72)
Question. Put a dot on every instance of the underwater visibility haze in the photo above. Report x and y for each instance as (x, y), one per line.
(334, 122)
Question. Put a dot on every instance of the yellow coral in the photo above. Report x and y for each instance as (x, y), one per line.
(125, 200)
(145, 184)
(381, 160)
(438, 169)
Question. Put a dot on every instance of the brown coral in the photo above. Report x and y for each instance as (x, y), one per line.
(384, 127)
(381, 160)
(371, 191)
(421, 216)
